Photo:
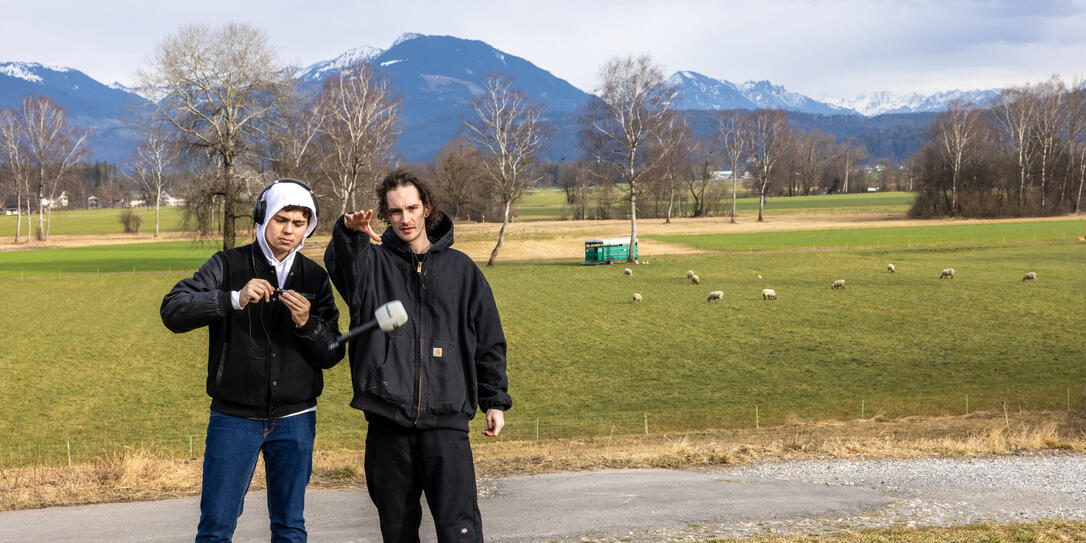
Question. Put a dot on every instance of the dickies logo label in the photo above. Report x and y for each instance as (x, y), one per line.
(437, 352)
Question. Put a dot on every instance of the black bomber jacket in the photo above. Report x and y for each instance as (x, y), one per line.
(448, 360)
(260, 365)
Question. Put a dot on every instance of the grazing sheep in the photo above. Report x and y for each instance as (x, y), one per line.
(637, 297)
(890, 268)
(840, 283)
(627, 271)
(695, 279)
(689, 274)
(768, 293)
(1029, 276)
(949, 272)
(715, 295)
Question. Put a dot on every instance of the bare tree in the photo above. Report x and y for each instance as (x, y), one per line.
(217, 86)
(52, 148)
(1080, 148)
(955, 131)
(459, 176)
(1046, 132)
(509, 129)
(14, 154)
(294, 129)
(701, 158)
(1073, 118)
(733, 136)
(813, 151)
(1015, 110)
(630, 110)
(358, 131)
(771, 138)
(673, 142)
(151, 164)
(849, 154)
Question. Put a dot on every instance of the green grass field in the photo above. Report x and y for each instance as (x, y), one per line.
(946, 234)
(550, 204)
(87, 362)
(97, 221)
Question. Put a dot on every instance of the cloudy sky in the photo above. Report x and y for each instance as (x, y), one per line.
(821, 48)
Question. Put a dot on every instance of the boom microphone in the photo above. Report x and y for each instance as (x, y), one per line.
(387, 317)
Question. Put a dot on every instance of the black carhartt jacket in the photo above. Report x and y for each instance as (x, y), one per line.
(260, 365)
(449, 359)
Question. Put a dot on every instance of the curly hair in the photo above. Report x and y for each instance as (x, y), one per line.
(401, 178)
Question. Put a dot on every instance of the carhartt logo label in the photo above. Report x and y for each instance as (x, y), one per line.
(437, 352)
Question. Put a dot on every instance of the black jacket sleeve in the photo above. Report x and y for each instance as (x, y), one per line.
(321, 330)
(489, 349)
(345, 259)
(197, 301)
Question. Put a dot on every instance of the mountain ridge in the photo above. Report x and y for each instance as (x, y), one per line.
(437, 76)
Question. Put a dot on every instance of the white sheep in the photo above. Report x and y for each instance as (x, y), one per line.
(627, 271)
(689, 274)
(949, 272)
(890, 268)
(840, 283)
(715, 295)
(1029, 276)
(695, 279)
(637, 297)
(768, 294)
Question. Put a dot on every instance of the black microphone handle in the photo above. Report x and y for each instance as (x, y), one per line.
(358, 330)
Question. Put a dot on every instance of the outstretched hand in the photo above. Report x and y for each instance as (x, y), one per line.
(360, 221)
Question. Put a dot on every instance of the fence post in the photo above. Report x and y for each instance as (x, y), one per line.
(1068, 398)
(966, 404)
(190, 446)
(69, 442)
(646, 422)
(756, 417)
(537, 428)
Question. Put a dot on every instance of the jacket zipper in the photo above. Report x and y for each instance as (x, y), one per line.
(418, 411)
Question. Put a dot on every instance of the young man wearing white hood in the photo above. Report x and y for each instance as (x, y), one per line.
(271, 316)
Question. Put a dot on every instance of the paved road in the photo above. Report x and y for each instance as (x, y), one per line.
(638, 505)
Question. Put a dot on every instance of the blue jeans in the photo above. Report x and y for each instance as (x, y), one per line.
(230, 453)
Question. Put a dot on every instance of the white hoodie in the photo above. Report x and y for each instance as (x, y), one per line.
(277, 197)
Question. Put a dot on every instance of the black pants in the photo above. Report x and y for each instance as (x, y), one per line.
(402, 463)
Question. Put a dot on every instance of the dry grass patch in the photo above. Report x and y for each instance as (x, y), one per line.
(147, 474)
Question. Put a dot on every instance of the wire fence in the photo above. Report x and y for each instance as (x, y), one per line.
(527, 426)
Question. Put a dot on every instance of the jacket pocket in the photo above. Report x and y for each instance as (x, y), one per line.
(394, 378)
(222, 364)
(444, 376)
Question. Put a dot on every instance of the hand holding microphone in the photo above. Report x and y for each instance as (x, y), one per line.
(387, 317)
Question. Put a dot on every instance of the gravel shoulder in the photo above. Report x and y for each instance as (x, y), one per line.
(651, 505)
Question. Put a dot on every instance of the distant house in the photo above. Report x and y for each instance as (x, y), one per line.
(92, 202)
(53, 203)
(719, 175)
(134, 200)
(168, 200)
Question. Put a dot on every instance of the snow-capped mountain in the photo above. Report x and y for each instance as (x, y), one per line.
(878, 103)
(318, 71)
(769, 96)
(105, 109)
(698, 91)
(437, 76)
